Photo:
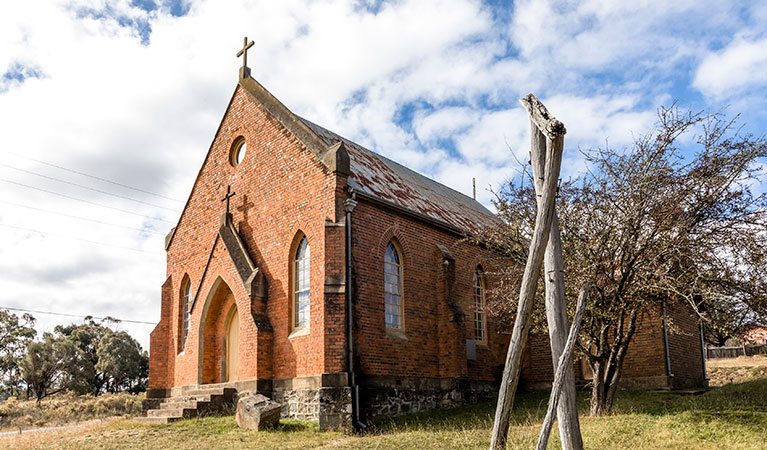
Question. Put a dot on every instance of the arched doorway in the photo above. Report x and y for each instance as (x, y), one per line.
(219, 336)
(232, 361)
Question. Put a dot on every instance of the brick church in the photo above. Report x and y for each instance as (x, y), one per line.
(312, 226)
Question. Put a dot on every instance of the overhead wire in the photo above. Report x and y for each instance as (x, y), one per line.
(10, 308)
(81, 218)
(61, 236)
(84, 201)
(87, 187)
(105, 180)
(84, 218)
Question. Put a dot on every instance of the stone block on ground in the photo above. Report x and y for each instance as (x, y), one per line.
(257, 412)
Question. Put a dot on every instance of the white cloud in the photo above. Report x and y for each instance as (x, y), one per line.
(740, 65)
(443, 123)
(432, 84)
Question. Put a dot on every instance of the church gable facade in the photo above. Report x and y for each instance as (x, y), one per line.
(259, 284)
(288, 228)
(281, 192)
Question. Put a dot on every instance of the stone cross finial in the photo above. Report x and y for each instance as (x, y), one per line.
(229, 194)
(244, 52)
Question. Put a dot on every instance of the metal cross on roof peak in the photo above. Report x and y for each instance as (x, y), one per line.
(244, 51)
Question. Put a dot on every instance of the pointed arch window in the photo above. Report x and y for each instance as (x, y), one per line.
(185, 315)
(301, 285)
(393, 287)
(480, 319)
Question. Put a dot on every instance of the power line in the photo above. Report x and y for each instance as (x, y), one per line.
(84, 201)
(81, 218)
(75, 315)
(94, 177)
(87, 187)
(78, 239)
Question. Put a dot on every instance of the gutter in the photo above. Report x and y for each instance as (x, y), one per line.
(349, 205)
(665, 341)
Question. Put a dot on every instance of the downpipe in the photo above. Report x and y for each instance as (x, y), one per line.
(665, 343)
(349, 205)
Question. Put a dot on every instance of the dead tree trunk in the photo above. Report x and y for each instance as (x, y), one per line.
(560, 382)
(554, 131)
(556, 304)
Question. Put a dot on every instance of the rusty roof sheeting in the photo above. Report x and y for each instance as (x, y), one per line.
(383, 178)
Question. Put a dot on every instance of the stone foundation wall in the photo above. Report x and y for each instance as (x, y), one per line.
(325, 399)
(301, 404)
(396, 396)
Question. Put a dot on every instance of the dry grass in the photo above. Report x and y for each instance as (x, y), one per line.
(729, 417)
(736, 370)
(66, 409)
(740, 361)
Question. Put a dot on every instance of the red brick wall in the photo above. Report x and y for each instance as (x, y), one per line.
(684, 346)
(645, 363)
(646, 356)
(427, 350)
(160, 369)
(290, 191)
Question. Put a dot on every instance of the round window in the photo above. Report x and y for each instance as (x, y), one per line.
(238, 151)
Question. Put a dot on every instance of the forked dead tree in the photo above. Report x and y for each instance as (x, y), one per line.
(553, 132)
(554, 279)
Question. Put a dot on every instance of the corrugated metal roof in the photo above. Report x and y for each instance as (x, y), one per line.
(383, 178)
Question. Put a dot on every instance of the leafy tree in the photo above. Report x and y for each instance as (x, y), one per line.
(15, 334)
(726, 319)
(121, 361)
(42, 368)
(83, 376)
(647, 226)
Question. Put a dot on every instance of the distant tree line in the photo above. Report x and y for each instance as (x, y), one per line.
(88, 358)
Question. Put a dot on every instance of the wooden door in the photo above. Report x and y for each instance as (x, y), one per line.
(233, 347)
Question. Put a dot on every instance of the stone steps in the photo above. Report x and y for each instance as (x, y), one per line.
(157, 420)
(193, 402)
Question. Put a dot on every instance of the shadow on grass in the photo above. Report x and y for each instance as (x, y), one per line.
(530, 408)
(746, 396)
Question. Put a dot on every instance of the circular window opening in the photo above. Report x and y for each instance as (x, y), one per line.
(238, 151)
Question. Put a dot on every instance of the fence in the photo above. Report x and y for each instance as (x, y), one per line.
(734, 352)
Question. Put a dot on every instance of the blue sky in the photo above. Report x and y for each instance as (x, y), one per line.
(133, 91)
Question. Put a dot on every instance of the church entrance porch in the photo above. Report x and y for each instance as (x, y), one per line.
(219, 356)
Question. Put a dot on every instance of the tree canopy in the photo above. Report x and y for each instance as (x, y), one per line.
(15, 334)
(84, 358)
(671, 219)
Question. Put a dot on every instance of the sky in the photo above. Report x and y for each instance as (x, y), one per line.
(108, 107)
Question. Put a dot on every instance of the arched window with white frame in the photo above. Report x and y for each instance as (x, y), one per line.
(301, 275)
(184, 313)
(393, 288)
(480, 317)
